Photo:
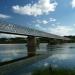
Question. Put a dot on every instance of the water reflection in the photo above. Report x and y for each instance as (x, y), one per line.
(12, 51)
(61, 55)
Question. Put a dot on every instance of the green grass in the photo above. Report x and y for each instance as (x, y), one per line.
(50, 71)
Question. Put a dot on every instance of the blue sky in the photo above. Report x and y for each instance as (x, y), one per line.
(53, 16)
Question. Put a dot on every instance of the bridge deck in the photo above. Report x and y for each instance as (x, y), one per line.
(9, 28)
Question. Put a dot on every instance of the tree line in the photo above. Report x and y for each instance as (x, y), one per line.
(39, 40)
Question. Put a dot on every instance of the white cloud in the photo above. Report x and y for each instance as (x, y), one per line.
(9, 36)
(61, 30)
(73, 3)
(4, 16)
(38, 21)
(44, 21)
(38, 26)
(41, 21)
(52, 19)
(39, 8)
(58, 29)
(74, 25)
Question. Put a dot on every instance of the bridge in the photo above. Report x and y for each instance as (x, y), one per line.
(10, 28)
(18, 67)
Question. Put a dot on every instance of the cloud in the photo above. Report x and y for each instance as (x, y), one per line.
(44, 21)
(61, 30)
(38, 26)
(10, 36)
(4, 16)
(39, 8)
(57, 29)
(38, 21)
(73, 3)
(52, 19)
(41, 21)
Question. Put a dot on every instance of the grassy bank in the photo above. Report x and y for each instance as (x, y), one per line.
(50, 71)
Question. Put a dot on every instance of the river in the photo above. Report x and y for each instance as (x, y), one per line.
(61, 55)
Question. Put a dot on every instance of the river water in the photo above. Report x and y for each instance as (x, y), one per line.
(61, 55)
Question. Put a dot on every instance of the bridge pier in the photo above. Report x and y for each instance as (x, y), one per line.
(31, 45)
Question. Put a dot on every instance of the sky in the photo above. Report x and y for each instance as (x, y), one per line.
(52, 16)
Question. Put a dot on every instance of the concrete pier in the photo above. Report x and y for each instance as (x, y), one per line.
(31, 45)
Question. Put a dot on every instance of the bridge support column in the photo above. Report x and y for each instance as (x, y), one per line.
(31, 45)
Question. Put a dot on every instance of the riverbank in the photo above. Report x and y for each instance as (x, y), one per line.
(50, 71)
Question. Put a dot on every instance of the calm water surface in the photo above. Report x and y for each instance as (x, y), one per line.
(62, 55)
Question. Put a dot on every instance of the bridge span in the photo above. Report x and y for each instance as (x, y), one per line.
(10, 28)
(18, 67)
